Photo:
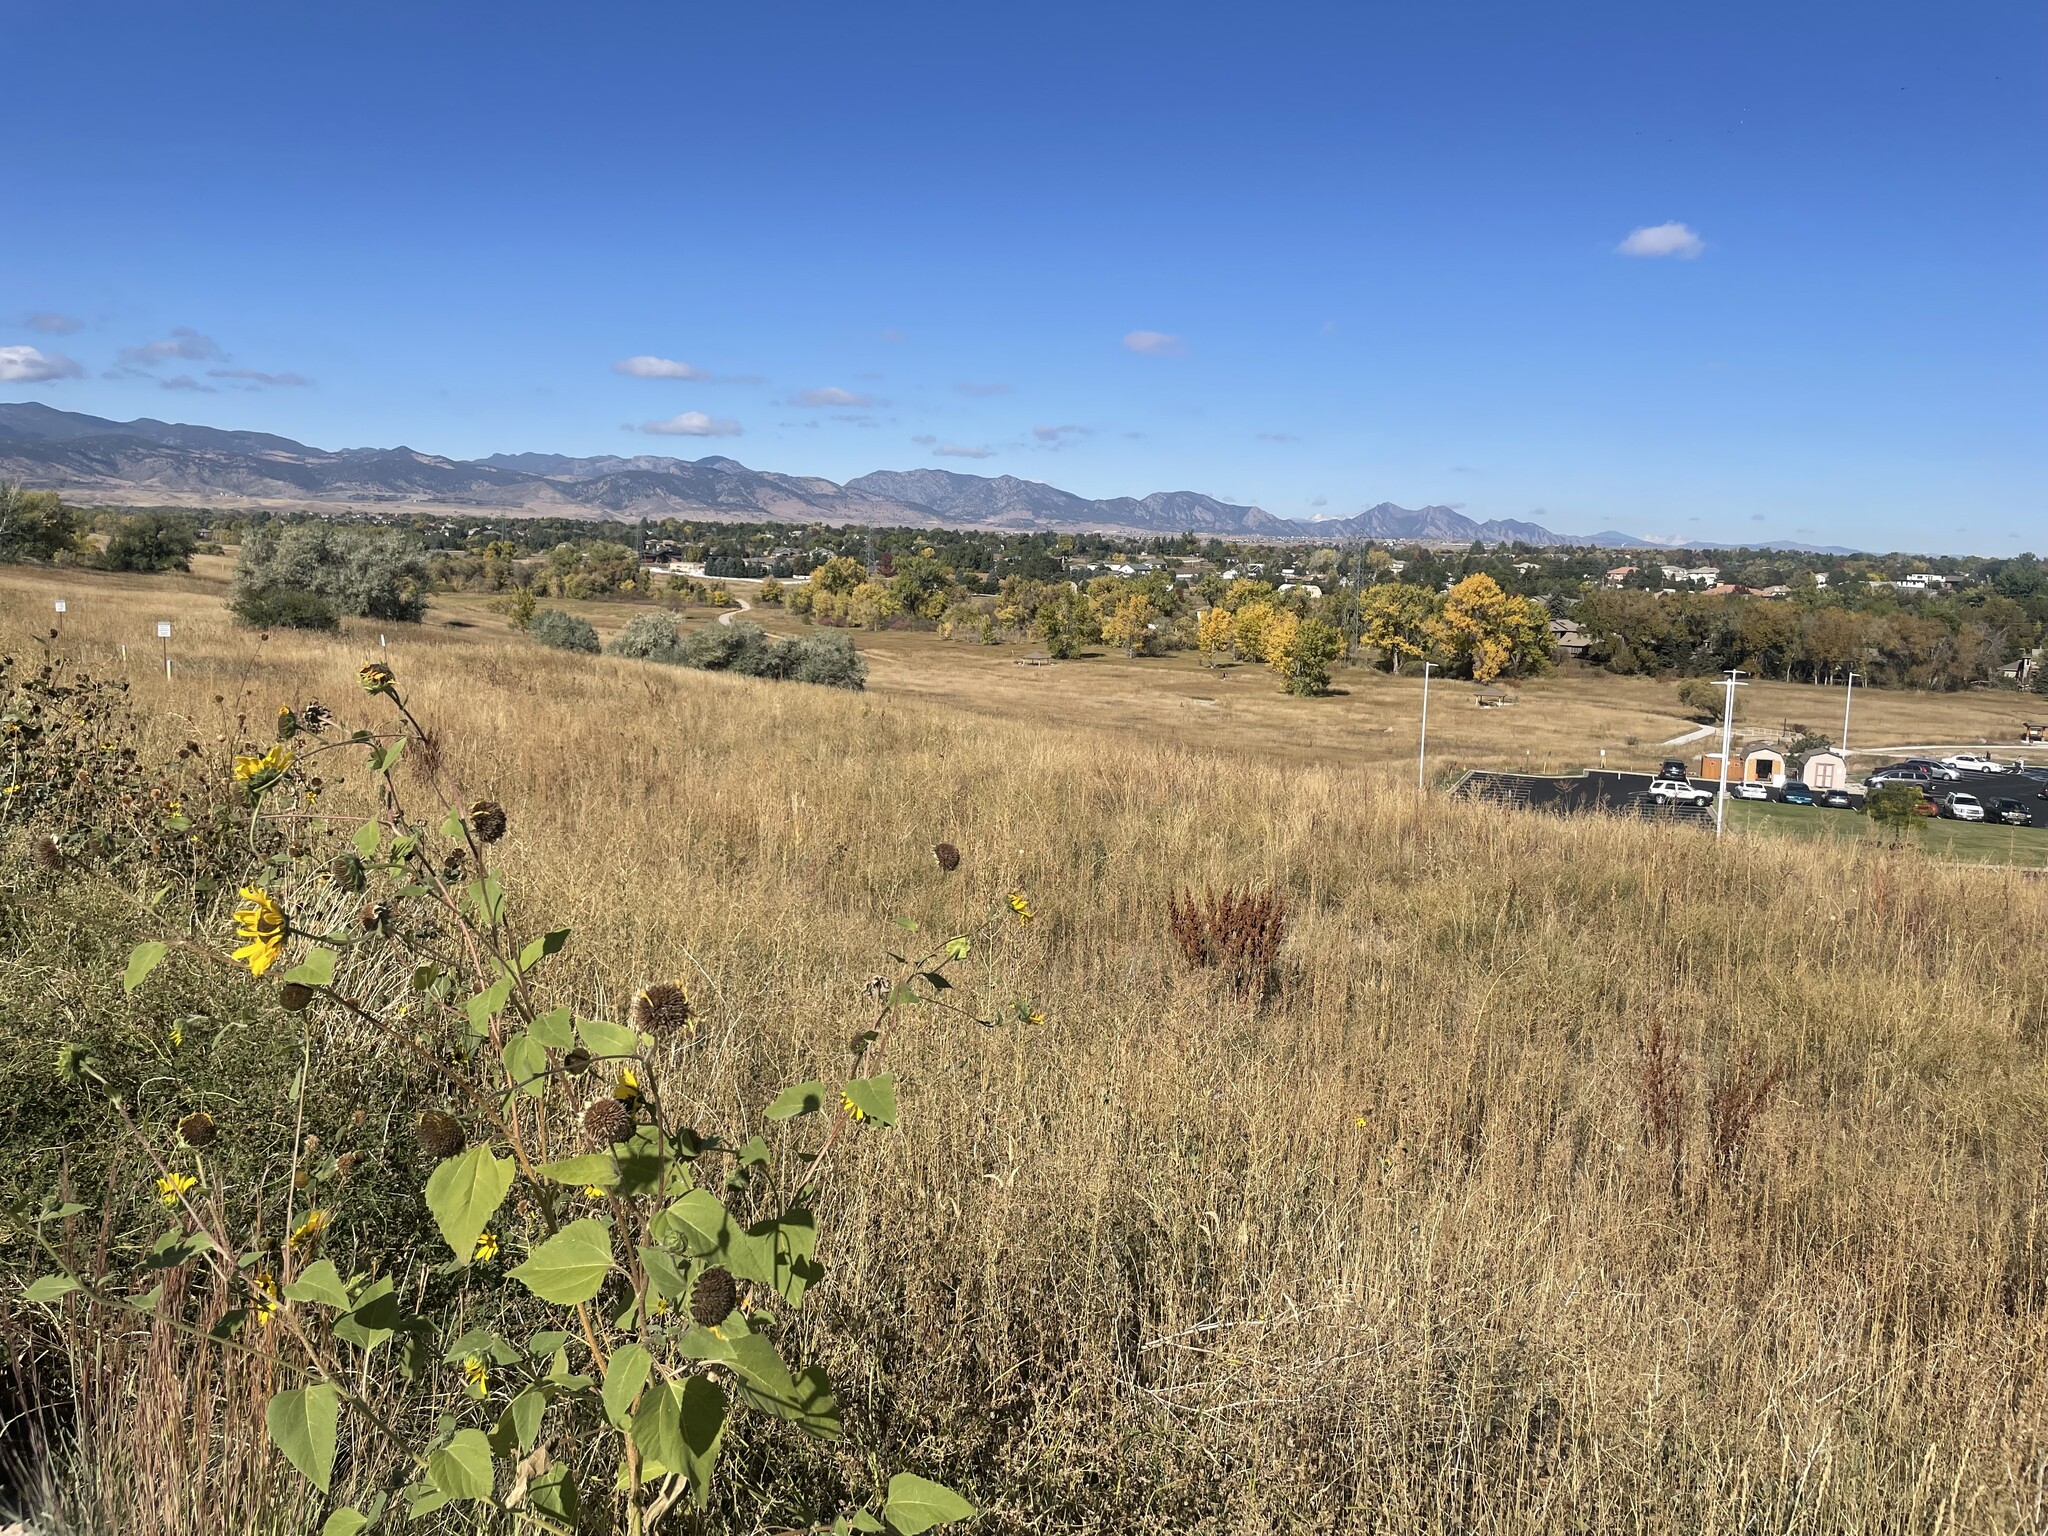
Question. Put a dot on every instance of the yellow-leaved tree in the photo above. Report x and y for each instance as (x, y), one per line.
(1395, 619)
(1215, 632)
(1253, 621)
(1127, 624)
(1484, 631)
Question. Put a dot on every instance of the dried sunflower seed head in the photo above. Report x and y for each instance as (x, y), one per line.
(713, 1297)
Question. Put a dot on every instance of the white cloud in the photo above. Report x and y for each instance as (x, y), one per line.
(924, 439)
(962, 451)
(1320, 501)
(827, 397)
(281, 379)
(1673, 239)
(692, 424)
(646, 367)
(1155, 344)
(183, 342)
(1054, 434)
(31, 365)
(980, 391)
(53, 324)
(185, 381)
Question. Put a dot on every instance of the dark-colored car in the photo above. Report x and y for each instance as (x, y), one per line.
(1674, 769)
(2012, 813)
(1796, 793)
(1836, 800)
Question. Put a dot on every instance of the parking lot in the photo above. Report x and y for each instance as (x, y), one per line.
(1987, 842)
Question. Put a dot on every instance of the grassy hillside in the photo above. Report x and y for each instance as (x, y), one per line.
(1402, 1248)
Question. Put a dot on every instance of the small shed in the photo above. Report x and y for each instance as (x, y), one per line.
(1763, 766)
(1826, 770)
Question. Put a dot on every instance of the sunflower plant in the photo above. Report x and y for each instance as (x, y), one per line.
(562, 1176)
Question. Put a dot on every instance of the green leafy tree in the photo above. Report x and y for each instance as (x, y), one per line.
(151, 541)
(1894, 809)
(370, 573)
(34, 525)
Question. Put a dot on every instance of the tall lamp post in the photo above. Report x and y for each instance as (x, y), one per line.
(1847, 699)
(1729, 684)
(1422, 745)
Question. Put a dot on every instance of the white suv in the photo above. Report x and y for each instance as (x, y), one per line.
(1964, 806)
(1678, 792)
(1971, 762)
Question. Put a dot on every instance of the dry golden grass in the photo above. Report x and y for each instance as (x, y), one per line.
(1390, 1253)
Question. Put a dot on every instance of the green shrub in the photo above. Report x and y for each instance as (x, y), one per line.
(282, 608)
(647, 637)
(828, 660)
(367, 572)
(151, 541)
(34, 525)
(563, 631)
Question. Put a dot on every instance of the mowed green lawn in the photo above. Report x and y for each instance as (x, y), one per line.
(1963, 842)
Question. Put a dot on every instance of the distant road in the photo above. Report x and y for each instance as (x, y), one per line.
(744, 605)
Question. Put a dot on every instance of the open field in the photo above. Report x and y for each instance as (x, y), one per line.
(1560, 724)
(1393, 1252)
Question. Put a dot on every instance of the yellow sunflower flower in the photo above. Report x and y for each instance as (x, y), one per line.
(852, 1109)
(314, 1224)
(262, 770)
(486, 1248)
(1021, 905)
(476, 1374)
(261, 922)
(172, 1187)
(263, 1304)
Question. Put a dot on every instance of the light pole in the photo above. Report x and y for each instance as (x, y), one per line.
(1729, 683)
(1847, 699)
(1422, 745)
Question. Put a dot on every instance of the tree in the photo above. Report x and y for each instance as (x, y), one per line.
(367, 572)
(839, 575)
(1215, 632)
(1703, 698)
(150, 541)
(1253, 621)
(520, 605)
(1395, 620)
(1127, 625)
(1894, 809)
(1484, 632)
(34, 525)
(1301, 651)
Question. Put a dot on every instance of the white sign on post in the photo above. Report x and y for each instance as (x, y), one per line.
(163, 629)
(60, 605)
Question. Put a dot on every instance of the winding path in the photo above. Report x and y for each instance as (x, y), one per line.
(744, 605)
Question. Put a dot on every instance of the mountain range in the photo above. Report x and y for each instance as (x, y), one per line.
(148, 462)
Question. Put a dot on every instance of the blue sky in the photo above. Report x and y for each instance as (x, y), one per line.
(1309, 257)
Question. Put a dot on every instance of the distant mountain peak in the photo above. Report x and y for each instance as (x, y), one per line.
(153, 461)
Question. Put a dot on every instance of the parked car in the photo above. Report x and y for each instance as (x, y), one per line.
(1678, 792)
(1748, 790)
(2012, 813)
(1796, 793)
(1901, 773)
(1973, 762)
(1963, 806)
(1944, 770)
(1837, 800)
(1926, 807)
(1674, 769)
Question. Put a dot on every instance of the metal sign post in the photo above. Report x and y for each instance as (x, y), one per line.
(1730, 683)
(58, 622)
(1848, 699)
(1422, 744)
(163, 633)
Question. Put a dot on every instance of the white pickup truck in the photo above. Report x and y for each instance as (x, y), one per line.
(1679, 792)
